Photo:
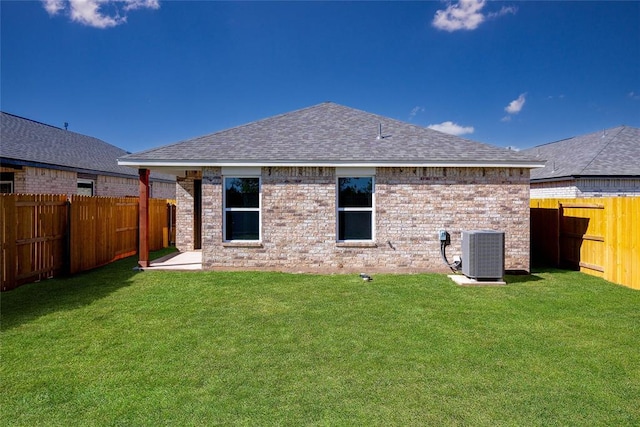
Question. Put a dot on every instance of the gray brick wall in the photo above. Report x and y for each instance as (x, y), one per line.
(47, 181)
(184, 214)
(31, 180)
(412, 204)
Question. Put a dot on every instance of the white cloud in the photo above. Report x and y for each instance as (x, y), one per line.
(633, 95)
(141, 4)
(466, 15)
(88, 12)
(92, 14)
(505, 10)
(415, 111)
(516, 105)
(53, 6)
(452, 128)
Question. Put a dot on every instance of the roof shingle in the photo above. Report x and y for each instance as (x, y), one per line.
(612, 152)
(30, 141)
(327, 133)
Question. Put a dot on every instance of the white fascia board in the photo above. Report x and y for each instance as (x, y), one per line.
(197, 164)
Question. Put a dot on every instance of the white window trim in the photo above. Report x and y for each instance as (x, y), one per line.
(225, 209)
(372, 209)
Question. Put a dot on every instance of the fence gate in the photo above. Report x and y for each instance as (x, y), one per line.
(34, 233)
(582, 227)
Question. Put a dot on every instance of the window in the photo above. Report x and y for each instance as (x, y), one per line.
(6, 187)
(85, 187)
(241, 209)
(6, 182)
(355, 208)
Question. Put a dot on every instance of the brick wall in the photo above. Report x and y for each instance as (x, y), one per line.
(162, 190)
(30, 180)
(184, 214)
(117, 186)
(411, 205)
(123, 187)
(47, 181)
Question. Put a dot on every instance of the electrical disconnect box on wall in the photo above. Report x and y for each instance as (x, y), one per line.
(483, 254)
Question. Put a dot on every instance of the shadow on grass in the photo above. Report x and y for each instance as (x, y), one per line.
(521, 278)
(535, 274)
(29, 302)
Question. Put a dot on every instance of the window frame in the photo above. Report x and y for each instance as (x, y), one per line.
(86, 182)
(10, 183)
(356, 209)
(226, 209)
(8, 178)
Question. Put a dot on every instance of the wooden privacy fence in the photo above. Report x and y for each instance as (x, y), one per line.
(50, 235)
(599, 236)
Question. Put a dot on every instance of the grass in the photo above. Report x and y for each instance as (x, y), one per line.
(117, 347)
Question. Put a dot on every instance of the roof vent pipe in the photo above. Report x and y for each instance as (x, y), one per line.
(379, 131)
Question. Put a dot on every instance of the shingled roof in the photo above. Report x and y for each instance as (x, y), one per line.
(328, 134)
(29, 143)
(613, 152)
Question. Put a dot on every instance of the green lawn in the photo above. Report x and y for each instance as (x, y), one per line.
(118, 347)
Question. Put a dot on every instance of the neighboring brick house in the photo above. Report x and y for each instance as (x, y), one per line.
(603, 163)
(38, 158)
(334, 189)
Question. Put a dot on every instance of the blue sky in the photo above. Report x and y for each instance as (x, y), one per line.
(144, 73)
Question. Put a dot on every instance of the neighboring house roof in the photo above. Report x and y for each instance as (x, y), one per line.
(612, 152)
(25, 142)
(328, 134)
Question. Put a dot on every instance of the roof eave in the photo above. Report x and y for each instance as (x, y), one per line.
(573, 177)
(196, 164)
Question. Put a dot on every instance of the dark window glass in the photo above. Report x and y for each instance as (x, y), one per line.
(354, 225)
(355, 192)
(6, 187)
(242, 209)
(85, 189)
(355, 208)
(242, 192)
(242, 225)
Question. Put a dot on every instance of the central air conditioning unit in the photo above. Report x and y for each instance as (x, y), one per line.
(483, 254)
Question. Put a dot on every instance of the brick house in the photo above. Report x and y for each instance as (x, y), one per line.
(37, 158)
(333, 189)
(603, 163)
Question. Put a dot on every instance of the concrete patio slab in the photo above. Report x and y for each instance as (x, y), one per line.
(466, 281)
(177, 261)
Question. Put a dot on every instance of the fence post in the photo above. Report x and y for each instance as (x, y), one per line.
(9, 250)
(66, 269)
(559, 235)
(170, 223)
(143, 216)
